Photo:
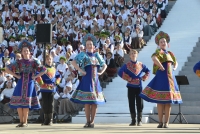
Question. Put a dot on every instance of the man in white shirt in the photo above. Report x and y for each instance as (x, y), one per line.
(53, 3)
(58, 6)
(101, 21)
(6, 14)
(61, 68)
(21, 6)
(67, 4)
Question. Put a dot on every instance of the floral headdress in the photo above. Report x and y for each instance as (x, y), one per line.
(118, 36)
(161, 35)
(62, 58)
(23, 44)
(89, 37)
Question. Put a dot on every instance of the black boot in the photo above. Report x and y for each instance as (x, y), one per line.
(133, 122)
(139, 119)
(50, 119)
(46, 119)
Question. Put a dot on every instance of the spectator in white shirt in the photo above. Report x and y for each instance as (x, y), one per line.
(119, 50)
(7, 92)
(5, 96)
(150, 26)
(9, 78)
(119, 55)
(137, 36)
(21, 5)
(53, 3)
(101, 21)
(6, 14)
(61, 68)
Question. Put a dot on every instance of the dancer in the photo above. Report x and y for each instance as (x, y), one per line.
(48, 83)
(24, 96)
(163, 88)
(89, 91)
(132, 73)
(197, 69)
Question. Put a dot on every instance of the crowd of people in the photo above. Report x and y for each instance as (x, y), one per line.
(118, 26)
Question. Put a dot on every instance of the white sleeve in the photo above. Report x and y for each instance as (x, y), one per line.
(1, 96)
(130, 40)
(62, 84)
(122, 44)
(121, 53)
(163, 8)
(112, 48)
(140, 34)
(1, 86)
(14, 84)
(133, 34)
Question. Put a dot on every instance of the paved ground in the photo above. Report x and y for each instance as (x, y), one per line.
(99, 129)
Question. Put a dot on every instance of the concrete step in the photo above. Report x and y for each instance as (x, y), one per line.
(186, 72)
(108, 118)
(191, 103)
(191, 63)
(190, 119)
(198, 44)
(147, 110)
(195, 59)
(190, 96)
(190, 90)
(196, 49)
(123, 104)
(146, 38)
(187, 110)
(195, 54)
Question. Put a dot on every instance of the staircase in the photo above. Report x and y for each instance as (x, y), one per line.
(190, 93)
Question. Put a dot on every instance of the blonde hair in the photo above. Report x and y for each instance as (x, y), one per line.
(18, 54)
(48, 56)
(133, 51)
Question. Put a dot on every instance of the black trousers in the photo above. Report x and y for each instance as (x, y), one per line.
(48, 102)
(133, 95)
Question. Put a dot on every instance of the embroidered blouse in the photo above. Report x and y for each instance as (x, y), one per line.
(84, 59)
(163, 56)
(132, 72)
(26, 66)
(48, 81)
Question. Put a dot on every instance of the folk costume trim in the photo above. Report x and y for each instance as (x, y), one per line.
(134, 68)
(161, 95)
(163, 57)
(51, 75)
(88, 96)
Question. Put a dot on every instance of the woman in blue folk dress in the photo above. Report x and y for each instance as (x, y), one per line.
(163, 88)
(24, 96)
(89, 91)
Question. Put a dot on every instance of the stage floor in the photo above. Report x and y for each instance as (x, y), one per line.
(99, 129)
